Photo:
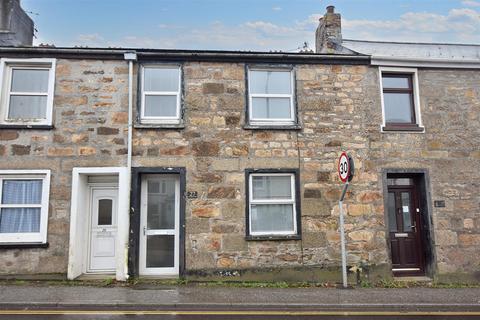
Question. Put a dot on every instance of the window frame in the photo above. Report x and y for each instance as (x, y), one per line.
(7, 65)
(161, 120)
(272, 122)
(294, 201)
(28, 237)
(416, 124)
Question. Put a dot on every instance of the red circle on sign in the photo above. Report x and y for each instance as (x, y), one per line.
(343, 167)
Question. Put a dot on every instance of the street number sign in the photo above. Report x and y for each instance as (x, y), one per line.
(344, 167)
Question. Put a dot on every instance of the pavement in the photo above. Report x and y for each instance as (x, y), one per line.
(197, 297)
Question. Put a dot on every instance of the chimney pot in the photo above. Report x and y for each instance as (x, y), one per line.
(331, 9)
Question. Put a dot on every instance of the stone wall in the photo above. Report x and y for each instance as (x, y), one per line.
(340, 109)
(216, 150)
(90, 123)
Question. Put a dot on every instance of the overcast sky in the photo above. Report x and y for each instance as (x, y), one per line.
(246, 24)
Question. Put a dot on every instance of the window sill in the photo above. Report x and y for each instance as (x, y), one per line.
(27, 126)
(159, 126)
(273, 237)
(272, 127)
(4, 246)
(403, 129)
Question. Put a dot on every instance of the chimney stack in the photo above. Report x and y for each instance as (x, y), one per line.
(329, 32)
(16, 27)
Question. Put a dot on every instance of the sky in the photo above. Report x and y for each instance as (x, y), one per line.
(259, 25)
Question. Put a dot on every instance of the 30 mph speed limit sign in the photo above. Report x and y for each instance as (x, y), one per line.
(344, 167)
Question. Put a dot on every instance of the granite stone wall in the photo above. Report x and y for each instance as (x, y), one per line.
(90, 130)
(339, 109)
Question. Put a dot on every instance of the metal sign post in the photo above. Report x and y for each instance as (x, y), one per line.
(342, 237)
(345, 172)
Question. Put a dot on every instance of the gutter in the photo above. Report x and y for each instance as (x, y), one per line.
(187, 55)
(425, 62)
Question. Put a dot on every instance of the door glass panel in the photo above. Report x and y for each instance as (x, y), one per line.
(400, 181)
(161, 204)
(105, 212)
(392, 217)
(407, 221)
(160, 251)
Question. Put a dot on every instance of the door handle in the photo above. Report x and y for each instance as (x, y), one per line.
(144, 230)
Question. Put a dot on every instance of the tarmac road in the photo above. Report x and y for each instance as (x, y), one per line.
(203, 303)
(216, 313)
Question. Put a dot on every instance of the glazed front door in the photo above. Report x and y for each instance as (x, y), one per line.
(405, 231)
(160, 225)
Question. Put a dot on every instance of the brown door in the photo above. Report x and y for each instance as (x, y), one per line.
(405, 231)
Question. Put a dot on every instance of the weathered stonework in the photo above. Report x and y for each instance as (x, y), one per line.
(339, 109)
(89, 96)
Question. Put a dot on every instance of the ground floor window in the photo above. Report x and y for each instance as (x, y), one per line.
(24, 206)
(272, 203)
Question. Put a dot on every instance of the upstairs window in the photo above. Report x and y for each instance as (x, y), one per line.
(161, 95)
(271, 99)
(24, 206)
(400, 101)
(27, 91)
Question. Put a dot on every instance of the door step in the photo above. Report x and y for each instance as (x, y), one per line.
(423, 279)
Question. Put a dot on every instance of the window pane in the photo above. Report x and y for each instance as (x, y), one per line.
(272, 82)
(27, 107)
(33, 80)
(15, 220)
(407, 220)
(398, 107)
(400, 181)
(22, 192)
(161, 204)
(272, 217)
(160, 106)
(271, 108)
(271, 187)
(161, 79)
(105, 212)
(160, 251)
(392, 217)
(393, 82)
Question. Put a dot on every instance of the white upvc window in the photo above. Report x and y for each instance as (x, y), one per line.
(24, 206)
(271, 97)
(272, 204)
(161, 94)
(27, 88)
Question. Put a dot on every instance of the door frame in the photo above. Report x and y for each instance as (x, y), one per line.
(422, 185)
(134, 241)
(79, 196)
(88, 243)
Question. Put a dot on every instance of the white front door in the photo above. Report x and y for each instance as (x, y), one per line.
(103, 229)
(159, 225)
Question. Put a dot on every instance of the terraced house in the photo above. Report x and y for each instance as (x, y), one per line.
(222, 164)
